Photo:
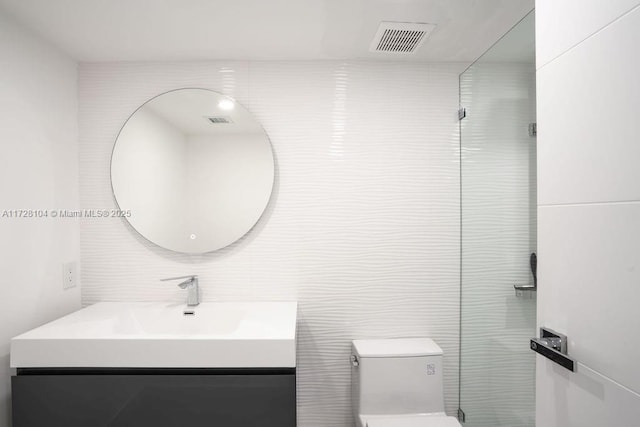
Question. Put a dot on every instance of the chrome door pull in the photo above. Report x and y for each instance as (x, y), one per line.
(553, 346)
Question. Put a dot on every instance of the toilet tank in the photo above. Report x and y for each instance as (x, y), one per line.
(396, 376)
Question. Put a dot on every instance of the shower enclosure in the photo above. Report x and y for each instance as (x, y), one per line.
(498, 236)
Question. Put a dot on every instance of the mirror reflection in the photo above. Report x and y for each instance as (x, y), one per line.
(194, 168)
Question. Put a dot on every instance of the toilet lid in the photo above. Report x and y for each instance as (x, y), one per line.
(414, 421)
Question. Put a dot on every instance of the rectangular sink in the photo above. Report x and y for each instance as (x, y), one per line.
(160, 335)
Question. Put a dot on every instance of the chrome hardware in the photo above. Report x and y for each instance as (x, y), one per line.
(461, 416)
(525, 287)
(533, 129)
(526, 291)
(462, 113)
(191, 285)
(354, 360)
(553, 339)
(553, 346)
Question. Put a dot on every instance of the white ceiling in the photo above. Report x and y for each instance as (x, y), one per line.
(134, 30)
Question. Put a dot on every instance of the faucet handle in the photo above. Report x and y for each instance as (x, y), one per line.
(192, 277)
(191, 284)
(191, 281)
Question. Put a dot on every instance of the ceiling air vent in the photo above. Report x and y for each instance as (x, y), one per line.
(219, 119)
(400, 37)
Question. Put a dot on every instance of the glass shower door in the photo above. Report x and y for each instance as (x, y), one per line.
(498, 236)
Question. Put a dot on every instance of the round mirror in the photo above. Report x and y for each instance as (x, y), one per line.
(192, 170)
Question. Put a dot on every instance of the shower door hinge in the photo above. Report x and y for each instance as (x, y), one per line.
(461, 416)
(462, 113)
(533, 129)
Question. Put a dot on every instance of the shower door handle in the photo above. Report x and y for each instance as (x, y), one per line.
(553, 346)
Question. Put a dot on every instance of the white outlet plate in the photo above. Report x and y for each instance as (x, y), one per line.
(69, 275)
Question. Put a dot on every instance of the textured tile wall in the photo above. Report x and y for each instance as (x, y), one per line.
(363, 225)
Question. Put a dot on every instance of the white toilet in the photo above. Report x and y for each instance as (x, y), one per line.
(398, 383)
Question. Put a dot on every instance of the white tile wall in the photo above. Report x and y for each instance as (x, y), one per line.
(566, 23)
(591, 268)
(583, 398)
(363, 225)
(588, 124)
(589, 211)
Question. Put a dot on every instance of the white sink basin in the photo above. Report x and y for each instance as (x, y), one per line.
(159, 335)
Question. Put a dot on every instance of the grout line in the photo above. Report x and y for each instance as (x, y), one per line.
(599, 30)
(619, 202)
(582, 366)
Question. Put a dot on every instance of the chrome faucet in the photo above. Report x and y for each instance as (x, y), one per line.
(191, 285)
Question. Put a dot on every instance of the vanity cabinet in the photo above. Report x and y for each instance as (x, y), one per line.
(154, 397)
(139, 364)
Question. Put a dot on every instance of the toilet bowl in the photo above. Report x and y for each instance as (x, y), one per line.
(398, 383)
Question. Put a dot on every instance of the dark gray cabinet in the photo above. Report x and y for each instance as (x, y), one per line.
(154, 398)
